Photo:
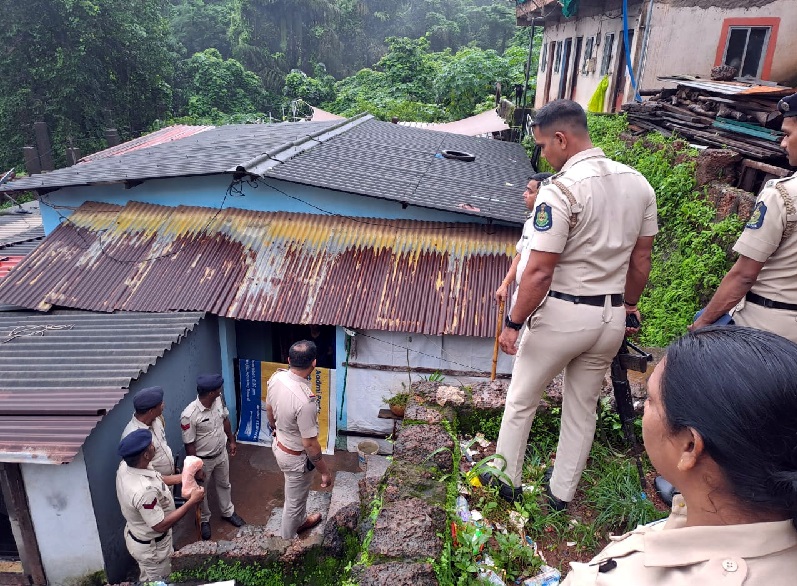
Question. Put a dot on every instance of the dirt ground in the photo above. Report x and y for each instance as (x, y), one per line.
(257, 488)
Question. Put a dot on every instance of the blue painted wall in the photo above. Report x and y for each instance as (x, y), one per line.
(176, 372)
(210, 191)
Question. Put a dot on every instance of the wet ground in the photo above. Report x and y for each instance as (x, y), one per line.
(257, 487)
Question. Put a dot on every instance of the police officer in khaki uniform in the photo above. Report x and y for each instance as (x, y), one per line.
(292, 411)
(147, 505)
(594, 226)
(148, 404)
(738, 479)
(523, 247)
(207, 433)
(762, 284)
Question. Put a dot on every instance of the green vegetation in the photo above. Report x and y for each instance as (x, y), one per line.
(610, 501)
(84, 66)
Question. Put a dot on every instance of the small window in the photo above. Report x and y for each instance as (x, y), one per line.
(746, 48)
(558, 58)
(544, 55)
(608, 46)
(588, 48)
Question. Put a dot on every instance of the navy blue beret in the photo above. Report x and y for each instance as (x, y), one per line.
(148, 398)
(135, 443)
(206, 383)
(788, 106)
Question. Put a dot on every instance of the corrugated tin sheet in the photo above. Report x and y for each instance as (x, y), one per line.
(7, 263)
(730, 88)
(395, 275)
(63, 371)
(162, 136)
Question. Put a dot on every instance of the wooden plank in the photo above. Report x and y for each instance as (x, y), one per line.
(16, 501)
(750, 126)
(771, 169)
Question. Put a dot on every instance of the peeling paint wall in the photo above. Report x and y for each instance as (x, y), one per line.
(683, 38)
(63, 519)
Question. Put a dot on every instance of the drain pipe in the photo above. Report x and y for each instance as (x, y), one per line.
(637, 97)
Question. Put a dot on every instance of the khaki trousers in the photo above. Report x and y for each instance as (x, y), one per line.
(297, 489)
(219, 470)
(778, 321)
(581, 340)
(152, 558)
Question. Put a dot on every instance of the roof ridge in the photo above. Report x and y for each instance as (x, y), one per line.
(262, 163)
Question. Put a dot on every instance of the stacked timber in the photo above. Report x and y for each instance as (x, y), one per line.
(732, 115)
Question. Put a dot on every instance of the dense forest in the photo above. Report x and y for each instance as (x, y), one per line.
(84, 66)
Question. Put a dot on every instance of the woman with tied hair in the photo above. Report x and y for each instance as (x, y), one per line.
(720, 423)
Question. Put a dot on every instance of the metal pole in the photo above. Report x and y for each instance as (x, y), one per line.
(528, 75)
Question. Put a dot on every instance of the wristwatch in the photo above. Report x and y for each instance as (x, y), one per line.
(512, 325)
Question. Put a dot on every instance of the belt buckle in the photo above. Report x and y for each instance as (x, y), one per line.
(576, 299)
(769, 303)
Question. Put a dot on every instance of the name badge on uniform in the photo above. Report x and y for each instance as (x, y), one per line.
(757, 217)
(543, 218)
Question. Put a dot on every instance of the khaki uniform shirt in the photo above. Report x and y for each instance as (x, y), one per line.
(163, 461)
(295, 408)
(614, 206)
(524, 248)
(144, 498)
(205, 427)
(765, 240)
(667, 553)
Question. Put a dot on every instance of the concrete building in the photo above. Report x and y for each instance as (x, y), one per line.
(388, 240)
(665, 38)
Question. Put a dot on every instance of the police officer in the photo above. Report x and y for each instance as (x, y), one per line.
(762, 284)
(207, 433)
(292, 411)
(148, 404)
(594, 224)
(147, 505)
(523, 246)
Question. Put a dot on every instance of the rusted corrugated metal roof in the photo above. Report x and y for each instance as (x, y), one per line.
(396, 275)
(63, 371)
(730, 88)
(161, 136)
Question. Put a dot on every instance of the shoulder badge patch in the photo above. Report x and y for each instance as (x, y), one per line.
(543, 218)
(757, 217)
(185, 426)
(150, 506)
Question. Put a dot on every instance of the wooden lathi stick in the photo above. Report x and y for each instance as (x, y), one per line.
(498, 326)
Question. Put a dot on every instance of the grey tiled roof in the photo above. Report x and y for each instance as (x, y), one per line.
(64, 370)
(360, 155)
(401, 163)
(217, 150)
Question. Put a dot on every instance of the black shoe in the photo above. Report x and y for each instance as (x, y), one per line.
(511, 494)
(204, 529)
(235, 520)
(554, 503)
(546, 477)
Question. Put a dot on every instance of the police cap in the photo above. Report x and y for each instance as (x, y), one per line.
(148, 398)
(135, 443)
(788, 106)
(206, 383)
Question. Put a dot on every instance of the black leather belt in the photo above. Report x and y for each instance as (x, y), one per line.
(764, 302)
(596, 300)
(148, 541)
(216, 455)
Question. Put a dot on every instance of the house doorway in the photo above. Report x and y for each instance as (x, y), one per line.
(621, 73)
(549, 71)
(565, 67)
(8, 545)
(576, 61)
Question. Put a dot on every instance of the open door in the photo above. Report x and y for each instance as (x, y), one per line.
(565, 68)
(621, 74)
(17, 536)
(576, 68)
(549, 71)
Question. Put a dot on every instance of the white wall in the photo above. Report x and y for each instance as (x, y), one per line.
(685, 39)
(367, 388)
(591, 21)
(63, 519)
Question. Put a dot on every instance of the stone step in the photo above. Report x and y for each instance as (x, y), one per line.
(345, 491)
(317, 502)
